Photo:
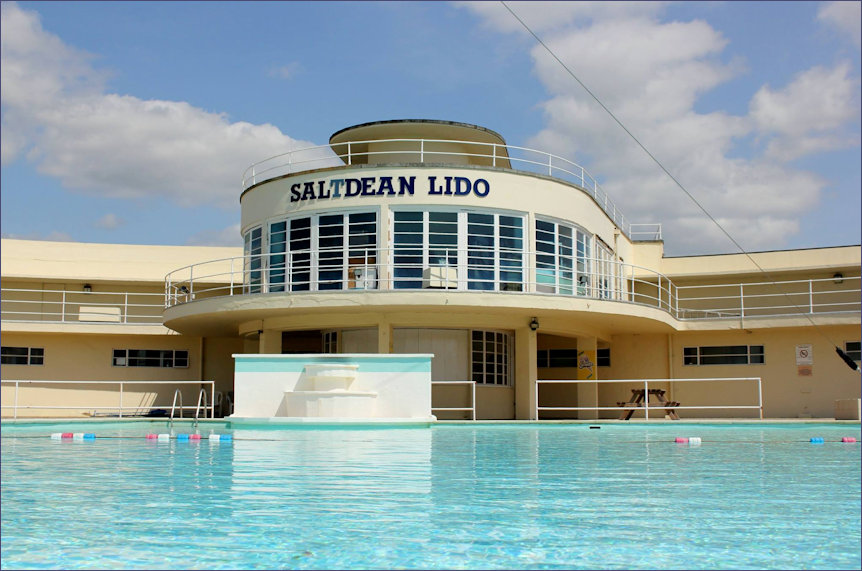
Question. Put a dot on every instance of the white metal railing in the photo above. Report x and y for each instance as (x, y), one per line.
(645, 405)
(439, 151)
(471, 408)
(67, 306)
(120, 408)
(508, 271)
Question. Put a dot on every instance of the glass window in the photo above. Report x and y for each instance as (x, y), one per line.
(491, 358)
(22, 356)
(563, 263)
(164, 358)
(252, 249)
(723, 355)
(603, 357)
(852, 348)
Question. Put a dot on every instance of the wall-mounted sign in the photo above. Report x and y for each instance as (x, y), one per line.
(337, 188)
(804, 360)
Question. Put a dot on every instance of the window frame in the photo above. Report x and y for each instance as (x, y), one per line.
(167, 358)
(709, 355)
(31, 356)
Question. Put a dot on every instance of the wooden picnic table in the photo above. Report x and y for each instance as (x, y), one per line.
(638, 401)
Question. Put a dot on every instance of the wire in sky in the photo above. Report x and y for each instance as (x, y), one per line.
(679, 184)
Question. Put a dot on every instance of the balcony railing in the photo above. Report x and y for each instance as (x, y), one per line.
(64, 306)
(446, 152)
(480, 271)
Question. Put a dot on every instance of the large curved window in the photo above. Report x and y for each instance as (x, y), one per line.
(562, 259)
(458, 250)
(313, 253)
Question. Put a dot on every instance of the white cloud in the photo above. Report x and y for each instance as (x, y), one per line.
(286, 71)
(845, 17)
(651, 73)
(109, 222)
(809, 114)
(56, 110)
(229, 236)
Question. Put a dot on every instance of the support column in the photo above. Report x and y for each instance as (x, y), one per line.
(384, 337)
(526, 373)
(270, 342)
(588, 393)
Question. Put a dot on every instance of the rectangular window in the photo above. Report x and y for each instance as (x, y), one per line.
(491, 358)
(252, 250)
(723, 355)
(163, 358)
(563, 264)
(557, 358)
(22, 356)
(330, 342)
(853, 350)
(603, 357)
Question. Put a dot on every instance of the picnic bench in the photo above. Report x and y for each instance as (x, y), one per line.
(638, 401)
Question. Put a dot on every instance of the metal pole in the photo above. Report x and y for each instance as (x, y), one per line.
(121, 399)
(760, 396)
(473, 383)
(231, 276)
(15, 414)
(126, 307)
(646, 399)
(537, 400)
(63, 307)
(810, 296)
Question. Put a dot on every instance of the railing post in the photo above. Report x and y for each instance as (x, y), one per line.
(550, 166)
(760, 396)
(63, 307)
(646, 399)
(810, 296)
(191, 283)
(349, 154)
(536, 413)
(493, 164)
(473, 384)
(126, 307)
(422, 150)
(231, 276)
(15, 413)
(741, 301)
(121, 399)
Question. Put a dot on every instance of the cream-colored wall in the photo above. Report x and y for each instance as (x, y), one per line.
(786, 394)
(89, 358)
(218, 365)
(88, 263)
(495, 403)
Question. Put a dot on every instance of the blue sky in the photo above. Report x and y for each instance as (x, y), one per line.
(132, 122)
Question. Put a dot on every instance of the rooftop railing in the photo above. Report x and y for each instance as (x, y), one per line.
(441, 151)
(65, 306)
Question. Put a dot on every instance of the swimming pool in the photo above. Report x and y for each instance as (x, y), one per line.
(446, 497)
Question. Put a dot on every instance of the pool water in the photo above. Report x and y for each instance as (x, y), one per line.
(446, 497)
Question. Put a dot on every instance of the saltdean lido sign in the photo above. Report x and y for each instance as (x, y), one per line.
(336, 188)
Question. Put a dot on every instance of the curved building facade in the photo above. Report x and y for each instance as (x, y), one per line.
(513, 268)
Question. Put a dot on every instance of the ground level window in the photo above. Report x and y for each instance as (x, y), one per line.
(723, 355)
(151, 358)
(603, 357)
(853, 350)
(330, 342)
(491, 360)
(22, 356)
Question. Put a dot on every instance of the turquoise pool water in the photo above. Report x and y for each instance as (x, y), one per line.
(447, 497)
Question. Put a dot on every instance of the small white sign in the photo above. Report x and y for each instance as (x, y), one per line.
(804, 355)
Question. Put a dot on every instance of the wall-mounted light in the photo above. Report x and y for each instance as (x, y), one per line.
(838, 278)
(534, 324)
(88, 288)
(184, 290)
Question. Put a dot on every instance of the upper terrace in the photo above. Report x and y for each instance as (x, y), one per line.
(410, 142)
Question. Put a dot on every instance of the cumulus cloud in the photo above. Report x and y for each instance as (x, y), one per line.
(229, 236)
(57, 112)
(844, 17)
(651, 73)
(109, 222)
(287, 71)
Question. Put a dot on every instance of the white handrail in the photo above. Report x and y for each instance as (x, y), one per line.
(177, 393)
(120, 408)
(645, 405)
(471, 408)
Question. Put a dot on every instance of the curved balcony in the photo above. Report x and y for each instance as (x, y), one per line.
(512, 272)
(444, 151)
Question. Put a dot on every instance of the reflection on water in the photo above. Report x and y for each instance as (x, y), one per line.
(506, 497)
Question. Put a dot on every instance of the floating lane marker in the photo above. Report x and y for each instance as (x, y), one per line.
(848, 439)
(220, 438)
(691, 441)
(163, 437)
(73, 436)
(182, 437)
(195, 437)
(681, 440)
(816, 440)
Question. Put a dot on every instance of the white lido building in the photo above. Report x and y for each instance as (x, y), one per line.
(525, 285)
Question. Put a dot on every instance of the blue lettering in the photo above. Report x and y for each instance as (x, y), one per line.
(353, 187)
(321, 191)
(368, 186)
(308, 191)
(335, 184)
(385, 186)
(406, 185)
(459, 180)
(448, 184)
(432, 182)
(486, 188)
